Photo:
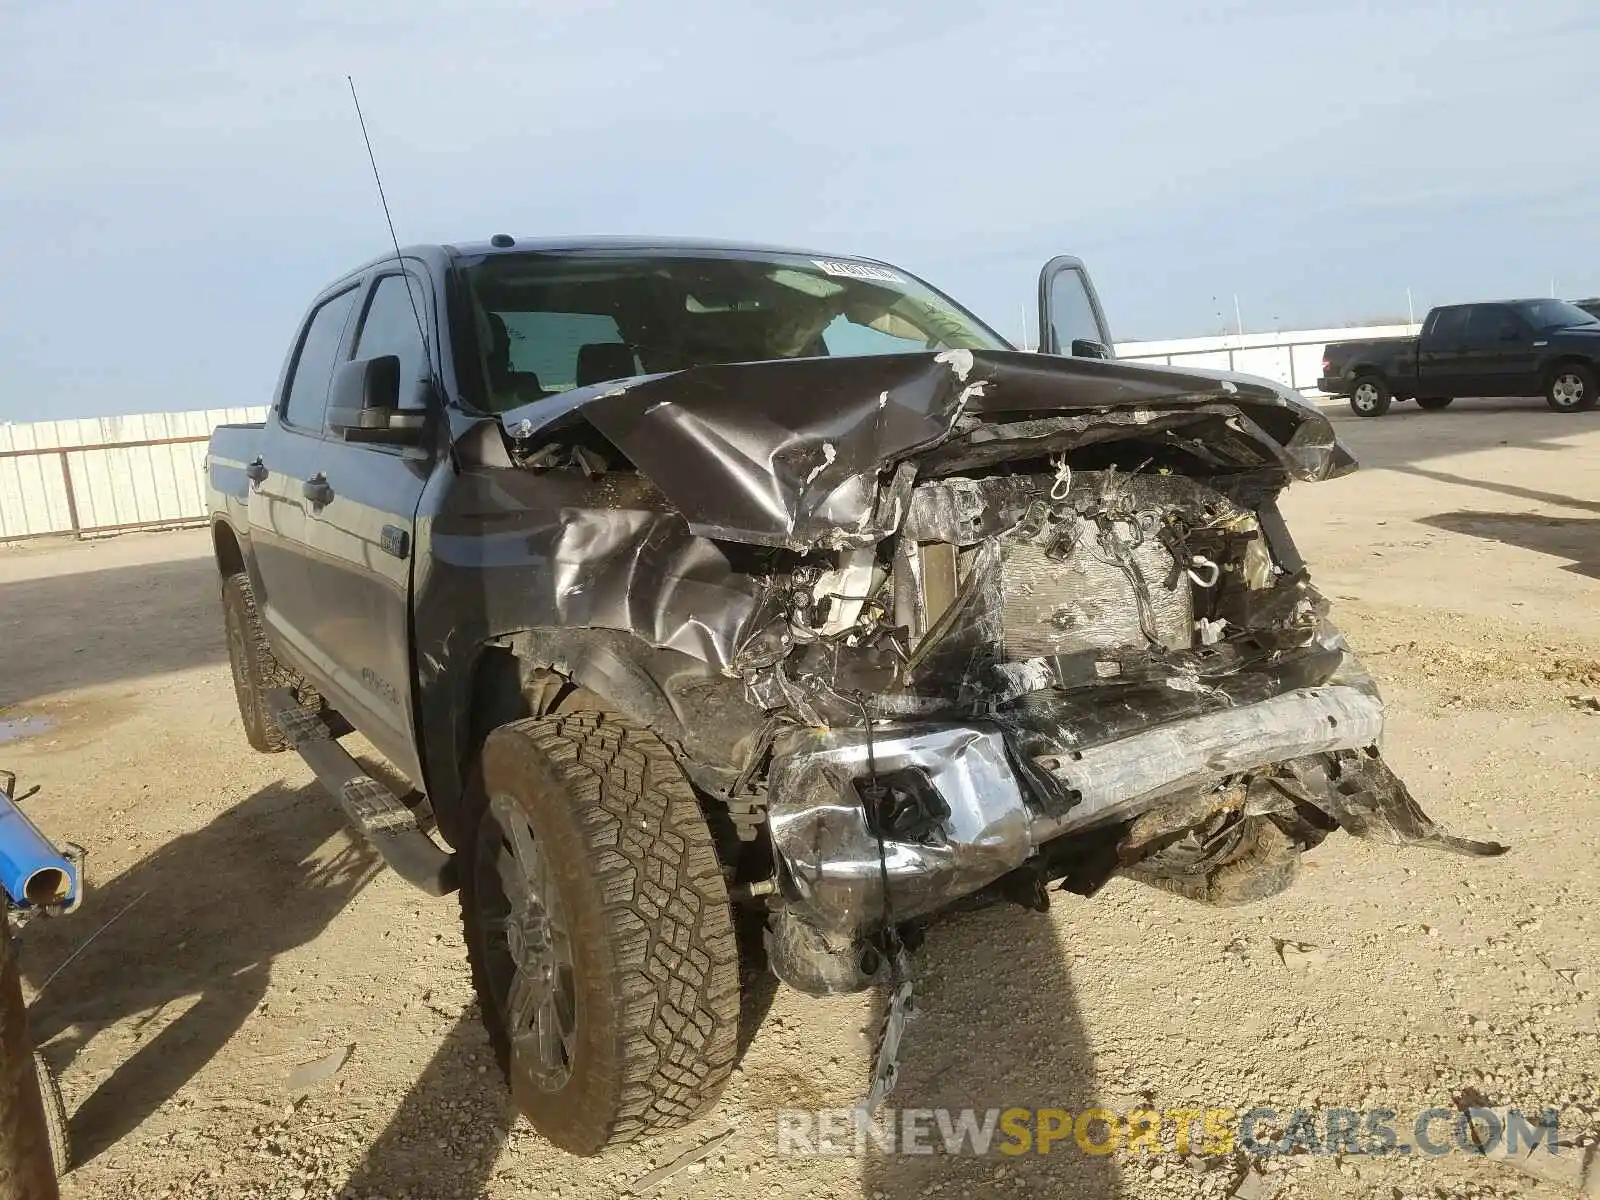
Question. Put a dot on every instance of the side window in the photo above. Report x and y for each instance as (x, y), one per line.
(1492, 323)
(1451, 324)
(1071, 314)
(389, 326)
(306, 397)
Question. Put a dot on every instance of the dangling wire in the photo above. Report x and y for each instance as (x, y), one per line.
(1062, 487)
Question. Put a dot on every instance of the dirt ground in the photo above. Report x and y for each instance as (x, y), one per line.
(251, 935)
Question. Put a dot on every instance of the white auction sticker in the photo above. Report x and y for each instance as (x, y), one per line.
(851, 270)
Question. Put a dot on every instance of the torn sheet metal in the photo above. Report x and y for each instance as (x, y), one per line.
(794, 453)
(830, 853)
(1370, 801)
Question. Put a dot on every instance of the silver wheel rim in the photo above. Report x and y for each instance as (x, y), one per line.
(529, 946)
(1567, 390)
(1366, 397)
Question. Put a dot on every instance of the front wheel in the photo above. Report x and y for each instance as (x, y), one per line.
(1572, 388)
(599, 931)
(1371, 397)
(1433, 403)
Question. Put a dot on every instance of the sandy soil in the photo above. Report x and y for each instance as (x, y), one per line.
(252, 935)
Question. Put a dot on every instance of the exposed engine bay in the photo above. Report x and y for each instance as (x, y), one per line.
(922, 627)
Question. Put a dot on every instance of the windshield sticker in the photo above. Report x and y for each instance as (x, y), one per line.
(851, 270)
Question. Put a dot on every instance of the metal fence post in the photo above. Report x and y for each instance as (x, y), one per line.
(72, 499)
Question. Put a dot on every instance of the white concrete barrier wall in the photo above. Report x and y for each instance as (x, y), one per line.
(1293, 357)
(105, 474)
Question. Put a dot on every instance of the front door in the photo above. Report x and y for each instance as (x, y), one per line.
(1502, 357)
(1071, 321)
(360, 531)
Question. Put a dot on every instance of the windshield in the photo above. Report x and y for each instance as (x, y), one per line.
(1553, 314)
(543, 323)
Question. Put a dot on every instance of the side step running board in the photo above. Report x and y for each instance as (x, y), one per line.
(383, 819)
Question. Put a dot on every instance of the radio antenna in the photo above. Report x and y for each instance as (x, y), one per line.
(384, 200)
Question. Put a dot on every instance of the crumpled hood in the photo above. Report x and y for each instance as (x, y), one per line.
(803, 453)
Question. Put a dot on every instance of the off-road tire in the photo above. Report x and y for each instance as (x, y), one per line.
(1265, 862)
(1434, 403)
(256, 670)
(1370, 397)
(55, 1115)
(1585, 376)
(654, 962)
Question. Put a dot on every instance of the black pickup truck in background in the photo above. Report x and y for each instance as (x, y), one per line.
(1543, 348)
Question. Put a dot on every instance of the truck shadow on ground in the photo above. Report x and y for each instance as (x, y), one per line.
(209, 912)
(96, 627)
(456, 1119)
(1576, 539)
(997, 1027)
(449, 1129)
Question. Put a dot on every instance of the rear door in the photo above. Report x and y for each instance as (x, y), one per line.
(290, 449)
(1445, 366)
(1503, 360)
(1071, 321)
(361, 530)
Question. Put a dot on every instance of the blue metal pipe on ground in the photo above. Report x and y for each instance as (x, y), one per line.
(33, 872)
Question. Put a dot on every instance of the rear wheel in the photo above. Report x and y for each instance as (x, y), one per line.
(256, 670)
(599, 930)
(1433, 403)
(1572, 388)
(1371, 397)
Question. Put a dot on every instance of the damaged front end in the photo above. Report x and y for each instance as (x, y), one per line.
(1004, 620)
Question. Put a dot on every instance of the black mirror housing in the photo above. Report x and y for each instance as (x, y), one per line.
(1088, 348)
(364, 402)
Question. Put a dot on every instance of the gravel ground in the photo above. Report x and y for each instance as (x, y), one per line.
(251, 936)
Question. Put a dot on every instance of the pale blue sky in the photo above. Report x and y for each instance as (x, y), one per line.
(177, 179)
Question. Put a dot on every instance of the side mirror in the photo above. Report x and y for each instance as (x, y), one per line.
(364, 403)
(1088, 348)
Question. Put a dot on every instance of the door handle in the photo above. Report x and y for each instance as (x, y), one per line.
(317, 490)
(256, 472)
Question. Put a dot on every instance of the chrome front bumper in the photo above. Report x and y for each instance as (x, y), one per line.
(831, 859)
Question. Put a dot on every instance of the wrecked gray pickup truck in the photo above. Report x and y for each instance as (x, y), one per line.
(682, 580)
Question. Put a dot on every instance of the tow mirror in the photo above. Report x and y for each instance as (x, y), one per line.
(364, 403)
